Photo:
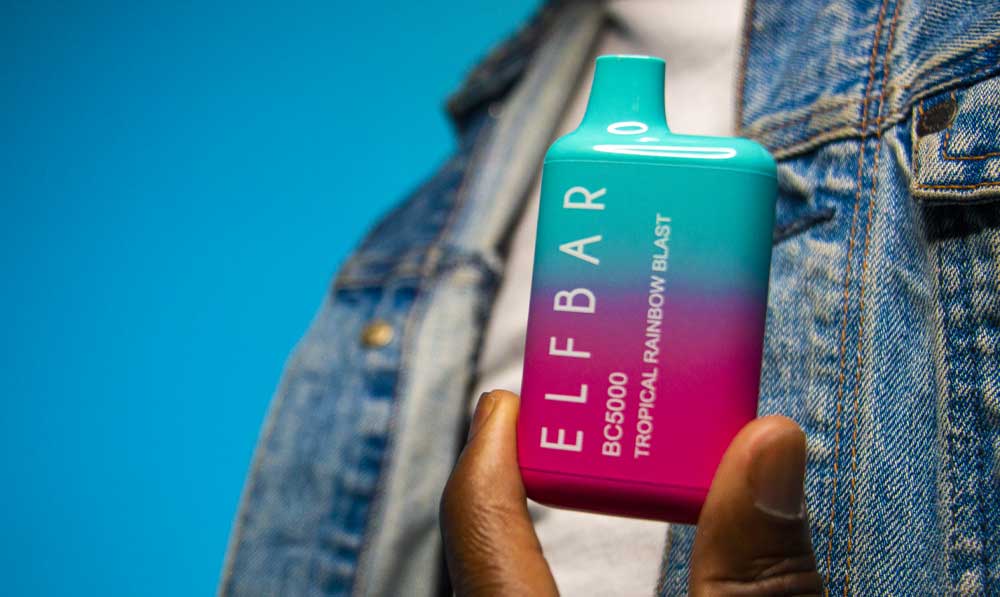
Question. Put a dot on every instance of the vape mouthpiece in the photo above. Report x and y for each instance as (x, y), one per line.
(627, 88)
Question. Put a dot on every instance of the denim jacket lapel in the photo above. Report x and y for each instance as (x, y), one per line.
(444, 330)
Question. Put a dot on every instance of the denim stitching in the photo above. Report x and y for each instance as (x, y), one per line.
(846, 129)
(985, 183)
(981, 457)
(951, 328)
(861, 305)
(943, 85)
(780, 123)
(915, 93)
(983, 461)
(943, 153)
(964, 374)
(432, 257)
(947, 141)
(847, 279)
(945, 325)
(959, 158)
(976, 370)
(435, 257)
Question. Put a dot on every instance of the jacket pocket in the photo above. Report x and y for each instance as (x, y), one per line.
(956, 145)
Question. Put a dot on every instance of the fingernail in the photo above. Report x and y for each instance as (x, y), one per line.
(777, 473)
(484, 407)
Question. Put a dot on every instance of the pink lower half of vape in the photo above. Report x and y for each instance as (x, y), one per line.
(630, 413)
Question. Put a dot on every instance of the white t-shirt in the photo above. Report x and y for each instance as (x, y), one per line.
(592, 554)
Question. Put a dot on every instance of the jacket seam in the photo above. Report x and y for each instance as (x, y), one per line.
(872, 61)
(845, 129)
(419, 306)
(958, 362)
(859, 350)
(836, 103)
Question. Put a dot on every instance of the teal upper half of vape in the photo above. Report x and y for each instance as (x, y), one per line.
(718, 192)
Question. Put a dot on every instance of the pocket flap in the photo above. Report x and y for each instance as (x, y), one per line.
(956, 145)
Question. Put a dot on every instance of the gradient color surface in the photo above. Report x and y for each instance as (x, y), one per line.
(701, 291)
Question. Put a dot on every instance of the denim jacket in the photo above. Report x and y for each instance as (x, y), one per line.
(883, 323)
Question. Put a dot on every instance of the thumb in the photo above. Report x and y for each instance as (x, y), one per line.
(753, 535)
(489, 541)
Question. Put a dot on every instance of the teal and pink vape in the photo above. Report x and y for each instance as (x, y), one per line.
(648, 302)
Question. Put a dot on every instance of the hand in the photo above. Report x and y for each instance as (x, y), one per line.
(752, 537)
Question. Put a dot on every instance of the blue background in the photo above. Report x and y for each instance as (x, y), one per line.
(176, 195)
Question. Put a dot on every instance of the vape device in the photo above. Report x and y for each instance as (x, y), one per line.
(648, 303)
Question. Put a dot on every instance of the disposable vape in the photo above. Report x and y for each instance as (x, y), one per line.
(648, 303)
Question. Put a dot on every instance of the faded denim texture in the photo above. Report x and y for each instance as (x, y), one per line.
(883, 337)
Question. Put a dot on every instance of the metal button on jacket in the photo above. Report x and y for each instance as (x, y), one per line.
(377, 334)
